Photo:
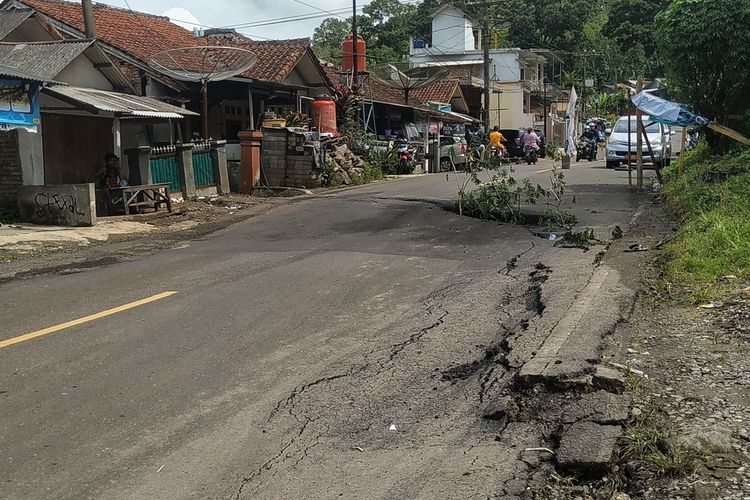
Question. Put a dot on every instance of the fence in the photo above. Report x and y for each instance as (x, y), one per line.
(203, 167)
(164, 166)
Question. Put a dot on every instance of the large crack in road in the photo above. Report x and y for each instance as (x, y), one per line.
(345, 400)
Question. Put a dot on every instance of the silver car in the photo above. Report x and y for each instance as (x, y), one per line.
(452, 147)
(658, 135)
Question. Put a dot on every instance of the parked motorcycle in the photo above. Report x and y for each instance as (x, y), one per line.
(407, 157)
(530, 154)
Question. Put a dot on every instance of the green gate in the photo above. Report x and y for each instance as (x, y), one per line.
(203, 169)
(165, 169)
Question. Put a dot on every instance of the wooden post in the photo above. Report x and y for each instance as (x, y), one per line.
(639, 140)
(683, 142)
(657, 166)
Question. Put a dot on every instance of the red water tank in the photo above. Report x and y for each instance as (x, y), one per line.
(347, 53)
(323, 115)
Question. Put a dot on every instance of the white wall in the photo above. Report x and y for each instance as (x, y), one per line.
(32, 156)
(81, 73)
(452, 32)
(504, 66)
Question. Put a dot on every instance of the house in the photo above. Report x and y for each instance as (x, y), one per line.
(81, 105)
(517, 75)
(287, 73)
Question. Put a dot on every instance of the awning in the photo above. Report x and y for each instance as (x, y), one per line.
(461, 116)
(121, 105)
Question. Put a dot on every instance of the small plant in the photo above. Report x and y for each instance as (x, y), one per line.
(617, 233)
(583, 239)
(647, 444)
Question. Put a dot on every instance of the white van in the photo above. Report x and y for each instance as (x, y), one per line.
(658, 135)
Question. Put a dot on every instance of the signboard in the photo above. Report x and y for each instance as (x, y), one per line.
(19, 104)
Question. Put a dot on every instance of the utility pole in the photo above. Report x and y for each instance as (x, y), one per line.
(544, 100)
(583, 93)
(486, 65)
(88, 19)
(355, 43)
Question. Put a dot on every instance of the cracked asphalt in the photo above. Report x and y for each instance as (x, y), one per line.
(340, 346)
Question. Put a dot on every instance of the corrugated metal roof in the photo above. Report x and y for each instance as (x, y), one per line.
(44, 60)
(12, 19)
(16, 74)
(102, 101)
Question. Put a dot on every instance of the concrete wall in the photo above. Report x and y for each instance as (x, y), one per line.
(286, 161)
(451, 32)
(81, 73)
(31, 153)
(59, 205)
(11, 176)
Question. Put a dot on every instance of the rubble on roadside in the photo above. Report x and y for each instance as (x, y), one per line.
(347, 166)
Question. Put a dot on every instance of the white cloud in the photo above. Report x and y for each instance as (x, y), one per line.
(183, 17)
(221, 13)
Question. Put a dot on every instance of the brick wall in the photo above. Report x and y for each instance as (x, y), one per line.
(287, 161)
(10, 172)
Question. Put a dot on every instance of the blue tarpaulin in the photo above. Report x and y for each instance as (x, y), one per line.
(19, 104)
(667, 112)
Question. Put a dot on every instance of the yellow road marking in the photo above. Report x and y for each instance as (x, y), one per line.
(545, 170)
(85, 319)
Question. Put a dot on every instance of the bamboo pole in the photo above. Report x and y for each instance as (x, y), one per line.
(683, 143)
(639, 139)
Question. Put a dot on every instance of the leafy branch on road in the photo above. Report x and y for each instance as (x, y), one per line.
(503, 198)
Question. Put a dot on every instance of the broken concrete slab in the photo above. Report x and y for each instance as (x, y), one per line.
(586, 448)
(600, 407)
(609, 379)
(503, 408)
(571, 351)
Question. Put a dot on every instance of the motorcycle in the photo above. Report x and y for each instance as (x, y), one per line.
(586, 148)
(406, 157)
(530, 154)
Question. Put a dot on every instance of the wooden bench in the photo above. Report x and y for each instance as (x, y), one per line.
(144, 195)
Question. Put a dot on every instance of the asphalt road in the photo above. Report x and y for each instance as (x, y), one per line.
(331, 347)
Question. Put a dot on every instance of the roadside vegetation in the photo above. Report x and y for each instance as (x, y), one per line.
(710, 255)
(503, 198)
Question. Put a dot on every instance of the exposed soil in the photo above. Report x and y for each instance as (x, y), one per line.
(690, 377)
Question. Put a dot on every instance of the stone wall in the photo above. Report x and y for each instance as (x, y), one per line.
(11, 174)
(287, 161)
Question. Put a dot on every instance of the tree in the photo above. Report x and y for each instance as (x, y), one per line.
(327, 38)
(705, 48)
(630, 25)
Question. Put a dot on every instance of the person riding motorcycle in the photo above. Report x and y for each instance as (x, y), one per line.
(496, 141)
(592, 137)
(530, 140)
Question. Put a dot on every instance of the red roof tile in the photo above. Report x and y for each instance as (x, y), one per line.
(441, 91)
(142, 35)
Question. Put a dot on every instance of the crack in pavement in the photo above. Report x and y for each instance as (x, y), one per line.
(433, 303)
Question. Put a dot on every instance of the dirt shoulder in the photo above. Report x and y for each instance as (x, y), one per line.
(687, 377)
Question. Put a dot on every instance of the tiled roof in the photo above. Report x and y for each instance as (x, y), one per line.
(43, 60)
(142, 35)
(441, 91)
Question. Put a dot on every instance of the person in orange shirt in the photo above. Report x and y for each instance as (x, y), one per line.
(497, 139)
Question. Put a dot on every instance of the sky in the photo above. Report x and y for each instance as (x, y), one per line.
(223, 13)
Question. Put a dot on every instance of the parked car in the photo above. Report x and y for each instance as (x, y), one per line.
(455, 146)
(658, 135)
(513, 144)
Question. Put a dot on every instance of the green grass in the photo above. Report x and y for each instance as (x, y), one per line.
(647, 443)
(713, 199)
